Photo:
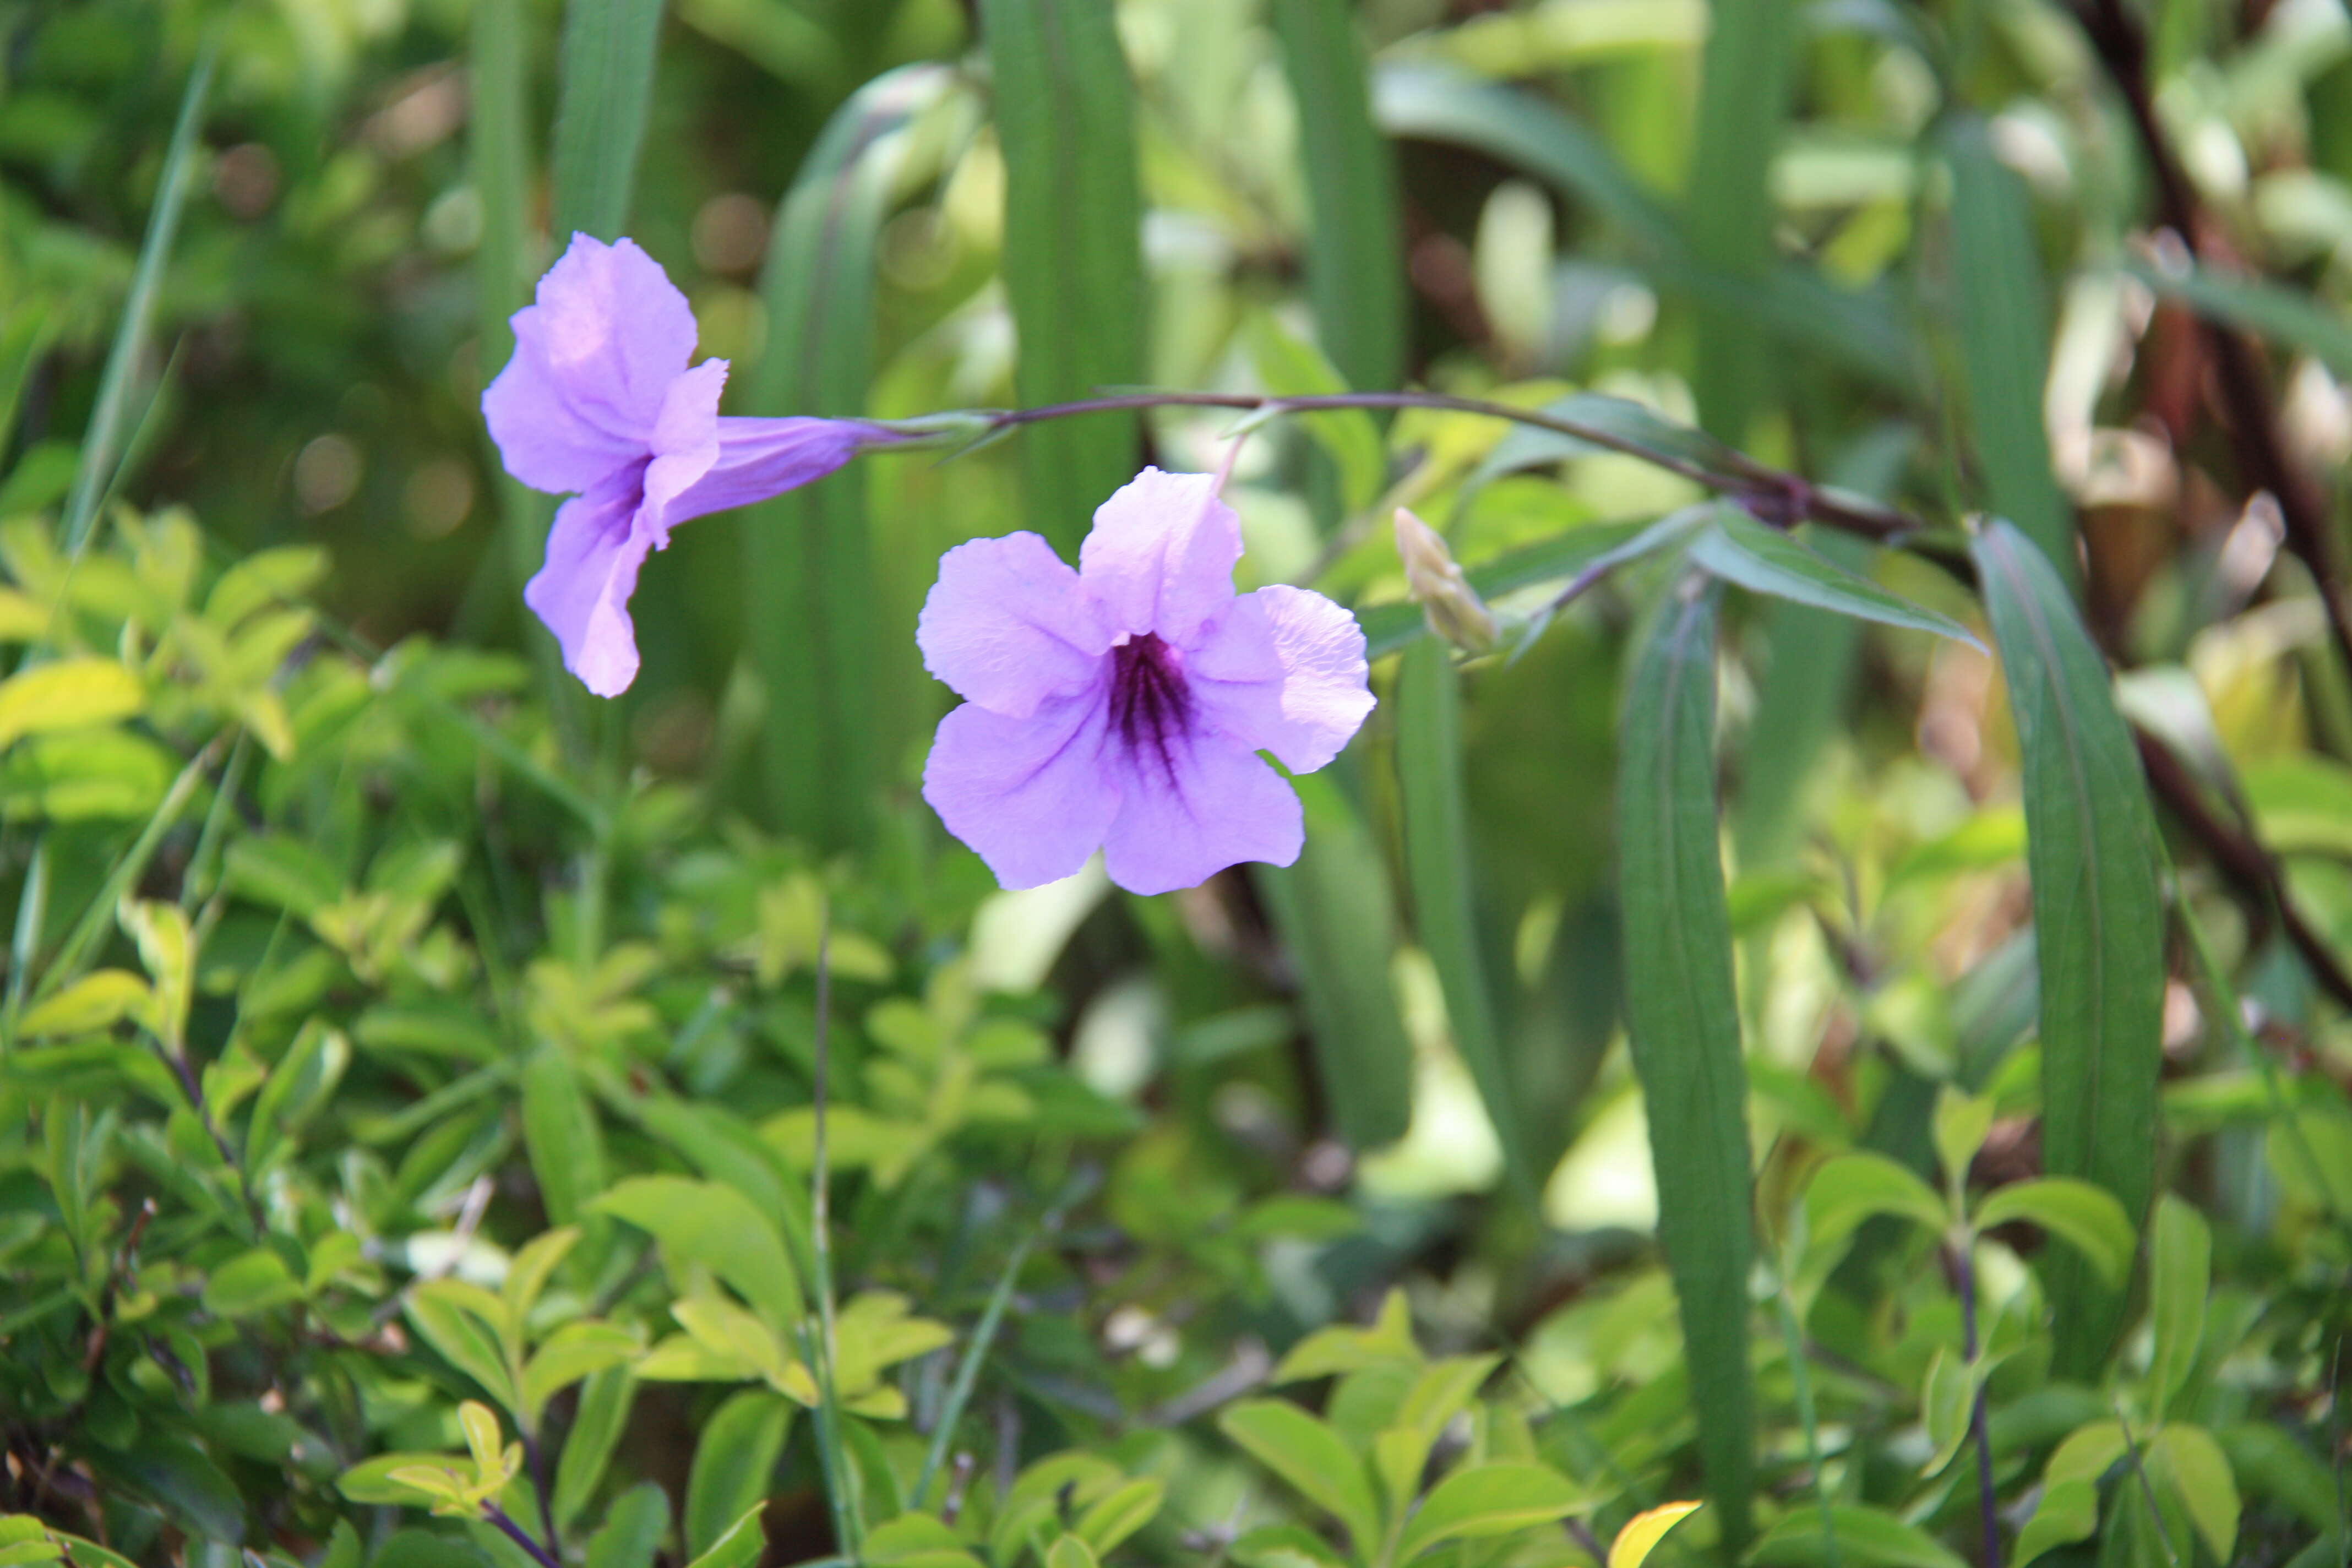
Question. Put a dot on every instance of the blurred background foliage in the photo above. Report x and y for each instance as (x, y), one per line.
(382, 1024)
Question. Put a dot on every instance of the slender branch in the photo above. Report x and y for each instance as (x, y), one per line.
(535, 1457)
(2243, 860)
(1777, 497)
(2256, 437)
(521, 1537)
(1964, 1279)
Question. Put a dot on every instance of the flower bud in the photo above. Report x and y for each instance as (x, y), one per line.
(1451, 606)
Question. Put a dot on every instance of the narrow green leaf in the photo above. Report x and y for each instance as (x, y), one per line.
(603, 1411)
(2199, 1472)
(1811, 658)
(2179, 1273)
(739, 1546)
(715, 1225)
(1865, 1538)
(1480, 1501)
(1738, 549)
(1073, 244)
(560, 1131)
(1349, 437)
(734, 1458)
(633, 1529)
(498, 83)
(810, 630)
(94, 473)
(2086, 1217)
(1743, 104)
(2003, 321)
(1684, 1025)
(1852, 1188)
(1314, 1459)
(1355, 277)
(607, 76)
(1336, 914)
(1438, 859)
(2091, 853)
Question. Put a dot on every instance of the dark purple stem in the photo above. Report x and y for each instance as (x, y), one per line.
(1964, 1279)
(536, 1457)
(1776, 497)
(521, 1537)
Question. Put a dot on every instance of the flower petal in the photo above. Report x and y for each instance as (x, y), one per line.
(686, 443)
(1206, 805)
(1008, 625)
(1161, 558)
(1029, 795)
(546, 443)
(593, 365)
(761, 458)
(617, 331)
(1284, 671)
(582, 592)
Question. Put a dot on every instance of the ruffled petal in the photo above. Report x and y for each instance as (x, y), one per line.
(1189, 810)
(617, 331)
(545, 442)
(1283, 670)
(1161, 558)
(594, 362)
(582, 592)
(1029, 795)
(761, 458)
(1008, 625)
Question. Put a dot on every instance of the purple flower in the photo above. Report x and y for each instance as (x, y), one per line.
(1122, 706)
(598, 404)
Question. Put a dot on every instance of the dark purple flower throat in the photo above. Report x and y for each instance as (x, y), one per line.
(1150, 705)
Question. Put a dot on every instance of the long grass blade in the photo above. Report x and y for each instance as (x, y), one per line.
(1073, 244)
(94, 473)
(2098, 922)
(2003, 321)
(1355, 279)
(1684, 1026)
(1743, 104)
(500, 143)
(607, 66)
(1438, 872)
(1336, 914)
(810, 629)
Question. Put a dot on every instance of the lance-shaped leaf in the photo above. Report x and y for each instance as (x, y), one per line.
(1337, 916)
(2004, 332)
(1437, 869)
(1073, 244)
(2098, 922)
(828, 728)
(1355, 275)
(1684, 1025)
(607, 82)
(1737, 548)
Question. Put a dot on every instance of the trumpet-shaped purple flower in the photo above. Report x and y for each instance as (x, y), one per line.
(598, 403)
(1122, 706)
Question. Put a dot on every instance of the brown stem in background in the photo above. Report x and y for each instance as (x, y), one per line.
(2255, 437)
(2250, 869)
(1773, 495)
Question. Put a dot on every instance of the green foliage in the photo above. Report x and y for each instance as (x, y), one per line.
(410, 1118)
